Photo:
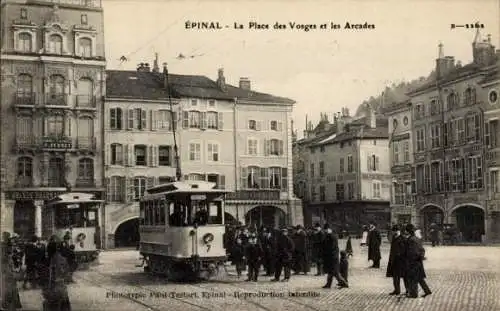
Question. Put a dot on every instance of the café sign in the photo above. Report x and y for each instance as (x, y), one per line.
(36, 195)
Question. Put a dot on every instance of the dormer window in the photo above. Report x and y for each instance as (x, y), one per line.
(194, 102)
(211, 103)
(252, 124)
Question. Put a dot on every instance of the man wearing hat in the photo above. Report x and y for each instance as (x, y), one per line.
(374, 241)
(396, 264)
(317, 246)
(284, 253)
(415, 272)
(331, 258)
(300, 255)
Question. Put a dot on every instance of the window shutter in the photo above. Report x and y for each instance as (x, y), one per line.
(152, 122)
(243, 177)
(156, 180)
(220, 121)
(107, 154)
(129, 185)
(248, 146)
(131, 156)
(156, 161)
(185, 119)
(280, 126)
(284, 178)
(281, 151)
(144, 119)
(203, 120)
(369, 164)
(123, 188)
(149, 155)
(112, 111)
(125, 155)
(174, 121)
(258, 125)
(377, 163)
(221, 181)
(266, 147)
(487, 134)
(150, 182)
(446, 175)
(108, 190)
(264, 175)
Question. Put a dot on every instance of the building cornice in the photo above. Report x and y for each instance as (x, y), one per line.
(54, 59)
(152, 101)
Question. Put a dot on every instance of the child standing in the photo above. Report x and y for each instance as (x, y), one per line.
(344, 268)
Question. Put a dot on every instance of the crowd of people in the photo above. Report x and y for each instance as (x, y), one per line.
(49, 266)
(297, 250)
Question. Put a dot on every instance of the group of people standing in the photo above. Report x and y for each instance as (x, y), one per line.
(281, 251)
(49, 266)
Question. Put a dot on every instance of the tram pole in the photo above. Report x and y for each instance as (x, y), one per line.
(178, 172)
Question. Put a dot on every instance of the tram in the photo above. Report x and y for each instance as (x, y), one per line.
(182, 230)
(74, 217)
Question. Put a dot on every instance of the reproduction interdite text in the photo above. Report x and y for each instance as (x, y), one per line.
(215, 25)
(211, 295)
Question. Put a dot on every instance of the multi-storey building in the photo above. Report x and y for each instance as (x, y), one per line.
(349, 176)
(233, 136)
(449, 143)
(53, 64)
(401, 163)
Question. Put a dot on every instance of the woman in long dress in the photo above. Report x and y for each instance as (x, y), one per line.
(10, 274)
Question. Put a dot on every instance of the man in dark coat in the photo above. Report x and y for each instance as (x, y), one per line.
(30, 259)
(374, 241)
(269, 248)
(284, 253)
(317, 245)
(331, 258)
(253, 253)
(415, 271)
(396, 264)
(300, 254)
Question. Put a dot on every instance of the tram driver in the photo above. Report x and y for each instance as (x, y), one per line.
(201, 216)
(177, 217)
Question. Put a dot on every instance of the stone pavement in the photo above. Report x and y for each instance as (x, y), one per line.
(462, 278)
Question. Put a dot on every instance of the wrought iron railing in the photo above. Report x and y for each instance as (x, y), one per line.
(25, 99)
(85, 101)
(56, 142)
(56, 99)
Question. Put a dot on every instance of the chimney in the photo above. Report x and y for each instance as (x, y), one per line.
(165, 77)
(245, 83)
(221, 80)
(155, 64)
(371, 118)
(444, 64)
(147, 68)
(483, 52)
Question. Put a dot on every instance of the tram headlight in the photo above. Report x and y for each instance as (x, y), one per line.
(208, 238)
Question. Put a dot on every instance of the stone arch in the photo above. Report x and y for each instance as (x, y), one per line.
(126, 232)
(266, 215)
(430, 214)
(469, 219)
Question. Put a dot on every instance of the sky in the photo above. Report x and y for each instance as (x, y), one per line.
(323, 70)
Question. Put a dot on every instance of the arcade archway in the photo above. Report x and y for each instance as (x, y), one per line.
(24, 219)
(268, 216)
(230, 220)
(127, 233)
(430, 214)
(470, 222)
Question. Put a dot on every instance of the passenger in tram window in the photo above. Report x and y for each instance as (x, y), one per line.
(201, 216)
(176, 218)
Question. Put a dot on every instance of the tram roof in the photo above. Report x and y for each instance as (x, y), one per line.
(73, 198)
(188, 186)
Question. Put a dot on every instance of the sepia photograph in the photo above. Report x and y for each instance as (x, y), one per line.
(249, 155)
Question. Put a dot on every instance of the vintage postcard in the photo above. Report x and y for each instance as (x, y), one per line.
(250, 155)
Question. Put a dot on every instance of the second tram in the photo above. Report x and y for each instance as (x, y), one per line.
(74, 217)
(182, 230)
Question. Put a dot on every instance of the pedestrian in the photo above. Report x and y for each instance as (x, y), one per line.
(30, 260)
(55, 291)
(348, 247)
(300, 253)
(330, 254)
(415, 254)
(10, 275)
(374, 240)
(238, 255)
(396, 264)
(284, 256)
(364, 236)
(344, 267)
(253, 253)
(269, 248)
(317, 246)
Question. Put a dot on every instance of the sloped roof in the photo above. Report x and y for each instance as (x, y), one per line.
(150, 85)
(493, 75)
(366, 133)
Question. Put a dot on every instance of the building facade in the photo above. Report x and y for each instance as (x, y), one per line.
(233, 136)
(401, 164)
(449, 141)
(53, 65)
(349, 176)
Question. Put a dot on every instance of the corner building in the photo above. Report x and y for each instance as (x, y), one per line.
(455, 139)
(233, 136)
(53, 64)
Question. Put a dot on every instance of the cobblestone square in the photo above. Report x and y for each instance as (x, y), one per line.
(461, 278)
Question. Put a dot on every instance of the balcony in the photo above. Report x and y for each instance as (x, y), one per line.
(56, 142)
(86, 143)
(25, 142)
(85, 101)
(260, 194)
(82, 3)
(24, 181)
(56, 100)
(85, 183)
(24, 99)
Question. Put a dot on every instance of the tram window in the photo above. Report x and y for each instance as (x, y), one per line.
(68, 217)
(215, 213)
(91, 218)
(161, 213)
(179, 215)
